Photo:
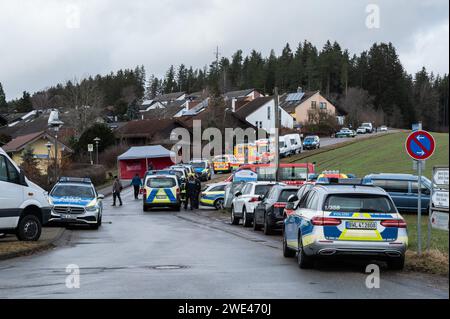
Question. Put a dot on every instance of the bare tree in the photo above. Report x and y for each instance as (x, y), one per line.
(83, 101)
(358, 104)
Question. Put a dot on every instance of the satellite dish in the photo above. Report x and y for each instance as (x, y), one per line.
(53, 119)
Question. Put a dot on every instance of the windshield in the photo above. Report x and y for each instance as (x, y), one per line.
(161, 182)
(281, 144)
(73, 191)
(309, 139)
(285, 194)
(262, 189)
(263, 149)
(198, 164)
(359, 203)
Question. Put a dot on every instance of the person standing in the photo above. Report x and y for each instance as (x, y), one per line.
(198, 189)
(190, 192)
(137, 183)
(117, 188)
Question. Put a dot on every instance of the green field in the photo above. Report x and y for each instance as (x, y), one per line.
(384, 154)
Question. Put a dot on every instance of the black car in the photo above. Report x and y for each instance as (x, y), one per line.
(270, 212)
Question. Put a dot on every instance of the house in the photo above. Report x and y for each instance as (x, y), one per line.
(161, 101)
(37, 143)
(299, 105)
(3, 120)
(146, 132)
(249, 95)
(261, 113)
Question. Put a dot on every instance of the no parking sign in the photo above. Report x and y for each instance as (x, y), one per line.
(420, 145)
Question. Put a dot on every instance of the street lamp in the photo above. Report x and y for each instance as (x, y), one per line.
(49, 146)
(55, 124)
(97, 140)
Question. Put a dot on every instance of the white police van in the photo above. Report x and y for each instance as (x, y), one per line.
(24, 206)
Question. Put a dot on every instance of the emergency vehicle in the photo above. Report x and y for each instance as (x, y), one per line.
(161, 191)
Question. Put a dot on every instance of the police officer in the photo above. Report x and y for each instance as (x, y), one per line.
(190, 192)
(198, 189)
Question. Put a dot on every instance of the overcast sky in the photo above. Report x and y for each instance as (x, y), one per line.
(44, 42)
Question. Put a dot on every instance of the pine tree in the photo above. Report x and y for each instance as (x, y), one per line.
(3, 103)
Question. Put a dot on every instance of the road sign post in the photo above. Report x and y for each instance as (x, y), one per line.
(90, 150)
(420, 145)
(439, 201)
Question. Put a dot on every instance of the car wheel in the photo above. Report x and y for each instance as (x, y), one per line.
(267, 228)
(218, 204)
(97, 224)
(29, 228)
(246, 222)
(397, 263)
(145, 208)
(234, 219)
(177, 208)
(287, 252)
(304, 261)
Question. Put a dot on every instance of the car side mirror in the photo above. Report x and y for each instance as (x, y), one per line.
(261, 198)
(237, 194)
(290, 205)
(101, 196)
(22, 179)
(292, 198)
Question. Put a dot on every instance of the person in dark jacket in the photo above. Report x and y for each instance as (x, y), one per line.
(190, 193)
(137, 183)
(198, 189)
(117, 188)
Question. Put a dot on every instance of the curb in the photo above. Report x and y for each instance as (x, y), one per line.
(38, 248)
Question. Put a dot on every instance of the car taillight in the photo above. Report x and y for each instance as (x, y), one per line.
(279, 205)
(325, 221)
(398, 223)
(144, 192)
(178, 191)
(254, 199)
(202, 194)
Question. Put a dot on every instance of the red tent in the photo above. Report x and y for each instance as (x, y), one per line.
(139, 159)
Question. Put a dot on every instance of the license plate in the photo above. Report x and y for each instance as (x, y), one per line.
(161, 197)
(66, 216)
(361, 225)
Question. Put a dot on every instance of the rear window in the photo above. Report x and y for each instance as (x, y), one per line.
(262, 189)
(199, 165)
(292, 173)
(359, 203)
(161, 182)
(284, 195)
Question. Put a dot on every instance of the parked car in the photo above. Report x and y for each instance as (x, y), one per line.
(76, 202)
(224, 163)
(292, 204)
(403, 189)
(269, 213)
(361, 130)
(345, 220)
(213, 195)
(296, 143)
(161, 191)
(368, 126)
(245, 201)
(24, 205)
(383, 128)
(345, 132)
(311, 142)
(285, 146)
(203, 169)
(230, 190)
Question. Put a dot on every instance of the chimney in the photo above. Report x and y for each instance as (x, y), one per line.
(299, 89)
(187, 104)
(233, 105)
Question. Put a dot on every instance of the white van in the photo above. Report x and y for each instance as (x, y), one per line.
(24, 206)
(285, 146)
(296, 143)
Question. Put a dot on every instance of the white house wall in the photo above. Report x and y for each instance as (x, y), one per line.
(261, 116)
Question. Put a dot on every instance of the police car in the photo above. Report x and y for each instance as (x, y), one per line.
(345, 217)
(161, 191)
(202, 169)
(214, 195)
(75, 201)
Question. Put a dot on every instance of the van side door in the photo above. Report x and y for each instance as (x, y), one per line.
(11, 194)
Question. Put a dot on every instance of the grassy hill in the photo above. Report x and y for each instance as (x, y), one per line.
(384, 154)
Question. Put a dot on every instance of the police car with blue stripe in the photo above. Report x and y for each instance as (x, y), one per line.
(76, 201)
(161, 191)
(345, 217)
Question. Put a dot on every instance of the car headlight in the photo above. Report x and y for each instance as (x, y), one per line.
(92, 206)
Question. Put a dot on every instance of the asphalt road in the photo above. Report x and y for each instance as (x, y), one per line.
(163, 254)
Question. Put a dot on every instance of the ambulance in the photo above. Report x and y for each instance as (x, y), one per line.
(246, 153)
(224, 163)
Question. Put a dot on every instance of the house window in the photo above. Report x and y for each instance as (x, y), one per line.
(313, 104)
(260, 124)
(323, 105)
(268, 112)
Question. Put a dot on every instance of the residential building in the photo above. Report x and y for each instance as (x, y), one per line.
(248, 94)
(37, 143)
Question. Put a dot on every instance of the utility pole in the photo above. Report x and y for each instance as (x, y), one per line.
(277, 138)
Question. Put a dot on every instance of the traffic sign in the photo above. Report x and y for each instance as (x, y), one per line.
(420, 145)
(439, 220)
(440, 199)
(440, 176)
(90, 147)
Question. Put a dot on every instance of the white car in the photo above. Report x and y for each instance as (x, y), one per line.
(361, 130)
(296, 143)
(383, 128)
(245, 201)
(24, 206)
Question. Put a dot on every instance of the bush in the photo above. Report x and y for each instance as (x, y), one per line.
(97, 173)
(108, 158)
